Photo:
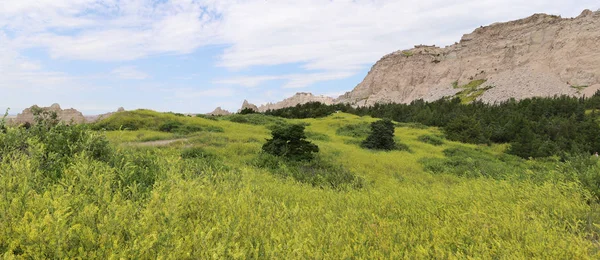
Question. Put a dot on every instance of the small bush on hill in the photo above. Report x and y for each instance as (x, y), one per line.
(170, 126)
(317, 136)
(255, 119)
(53, 145)
(196, 152)
(473, 163)
(431, 139)
(290, 142)
(361, 130)
(317, 173)
(247, 111)
(381, 137)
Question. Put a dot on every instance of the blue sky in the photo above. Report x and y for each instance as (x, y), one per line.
(192, 56)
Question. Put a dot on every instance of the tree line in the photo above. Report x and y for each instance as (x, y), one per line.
(535, 127)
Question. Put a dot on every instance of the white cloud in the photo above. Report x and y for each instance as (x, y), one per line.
(292, 80)
(330, 40)
(129, 72)
(191, 93)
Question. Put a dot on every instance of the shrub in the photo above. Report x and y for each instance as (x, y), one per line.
(195, 152)
(170, 126)
(467, 130)
(247, 111)
(361, 130)
(290, 142)
(53, 145)
(431, 139)
(381, 137)
(317, 173)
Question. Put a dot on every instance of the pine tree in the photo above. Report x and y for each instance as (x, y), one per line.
(381, 137)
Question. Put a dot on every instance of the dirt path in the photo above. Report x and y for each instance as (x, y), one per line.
(158, 143)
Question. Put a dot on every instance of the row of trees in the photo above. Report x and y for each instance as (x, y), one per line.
(536, 127)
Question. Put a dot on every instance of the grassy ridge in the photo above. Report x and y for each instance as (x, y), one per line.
(221, 206)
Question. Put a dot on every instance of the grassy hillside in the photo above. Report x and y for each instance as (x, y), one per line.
(204, 196)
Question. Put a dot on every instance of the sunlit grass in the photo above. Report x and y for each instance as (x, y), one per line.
(230, 209)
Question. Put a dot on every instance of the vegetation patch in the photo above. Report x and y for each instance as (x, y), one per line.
(361, 130)
(471, 91)
(289, 142)
(579, 88)
(431, 139)
(317, 136)
(317, 172)
(407, 53)
(381, 136)
(467, 162)
(254, 119)
(151, 120)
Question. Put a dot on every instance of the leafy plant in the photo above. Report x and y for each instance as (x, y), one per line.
(290, 142)
(381, 137)
(431, 139)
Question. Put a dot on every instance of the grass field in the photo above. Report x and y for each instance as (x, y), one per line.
(412, 204)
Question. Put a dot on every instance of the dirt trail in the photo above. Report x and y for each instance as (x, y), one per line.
(158, 143)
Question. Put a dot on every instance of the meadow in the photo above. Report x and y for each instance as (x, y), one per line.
(209, 193)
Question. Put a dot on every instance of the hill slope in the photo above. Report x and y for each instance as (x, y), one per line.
(542, 55)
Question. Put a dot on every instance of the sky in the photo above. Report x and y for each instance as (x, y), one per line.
(191, 56)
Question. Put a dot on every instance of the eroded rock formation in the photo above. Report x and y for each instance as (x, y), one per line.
(542, 55)
(219, 112)
(297, 99)
(67, 115)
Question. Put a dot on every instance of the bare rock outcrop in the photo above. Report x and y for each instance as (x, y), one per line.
(248, 105)
(219, 112)
(95, 118)
(298, 99)
(67, 115)
(542, 55)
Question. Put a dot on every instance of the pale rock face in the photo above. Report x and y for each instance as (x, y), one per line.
(541, 55)
(67, 115)
(298, 99)
(219, 112)
(95, 118)
(246, 104)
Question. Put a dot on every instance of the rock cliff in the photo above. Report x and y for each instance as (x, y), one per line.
(67, 115)
(297, 99)
(542, 55)
(219, 112)
(248, 105)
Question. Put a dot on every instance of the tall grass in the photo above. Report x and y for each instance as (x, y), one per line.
(209, 201)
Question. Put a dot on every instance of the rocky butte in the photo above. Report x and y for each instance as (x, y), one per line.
(67, 115)
(219, 112)
(298, 99)
(542, 55)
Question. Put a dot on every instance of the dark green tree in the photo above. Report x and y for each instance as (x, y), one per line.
(247, 111)
(381, 137)
(289, 141)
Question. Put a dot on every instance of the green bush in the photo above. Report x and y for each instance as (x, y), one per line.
(53, 145)
(247, 111)
(290, 142)
(255, 119)
(196, 152)
(317, 173)
(317, 136)
(467, 130)
(361, 130)
(472, 163)
(381, 137)
(431, 139)
(170, 126)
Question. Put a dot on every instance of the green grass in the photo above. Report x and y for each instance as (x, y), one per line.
(210, 201)
(471, 91)
(579, 88)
